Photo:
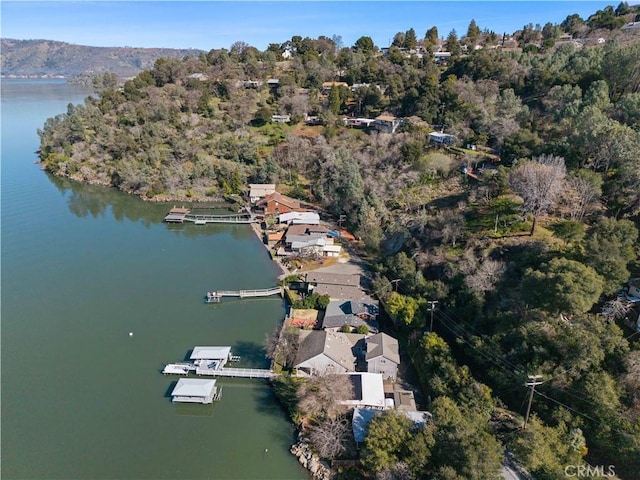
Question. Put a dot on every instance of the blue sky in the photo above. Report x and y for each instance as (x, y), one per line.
(208, 24)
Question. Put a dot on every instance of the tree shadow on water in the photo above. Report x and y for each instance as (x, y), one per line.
(252, 355)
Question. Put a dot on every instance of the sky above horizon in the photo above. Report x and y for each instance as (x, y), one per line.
(212, 24)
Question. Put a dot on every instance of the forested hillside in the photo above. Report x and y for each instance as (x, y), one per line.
(521, 228)
(50, 58)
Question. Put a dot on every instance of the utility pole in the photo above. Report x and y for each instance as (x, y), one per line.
(396, 284)
(432, 304)
(533, 381)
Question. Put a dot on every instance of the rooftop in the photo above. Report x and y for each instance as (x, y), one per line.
(210, 353)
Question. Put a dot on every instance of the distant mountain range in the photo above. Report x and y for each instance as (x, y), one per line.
(49, 58)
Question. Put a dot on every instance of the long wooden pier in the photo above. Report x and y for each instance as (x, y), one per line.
(202, 219)
(181, 215)
(215, 297)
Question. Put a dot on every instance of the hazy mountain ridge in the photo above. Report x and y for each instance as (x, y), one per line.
(53, 58)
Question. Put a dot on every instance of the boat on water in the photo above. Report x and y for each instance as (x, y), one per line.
(179, 368)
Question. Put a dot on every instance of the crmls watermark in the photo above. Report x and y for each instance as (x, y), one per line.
(585, 471)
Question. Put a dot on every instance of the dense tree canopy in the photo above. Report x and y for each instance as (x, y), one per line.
(521, 229)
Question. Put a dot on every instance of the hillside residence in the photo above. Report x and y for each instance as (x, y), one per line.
(353, 313)
(387, 123)
(199, 76)
(281, 118)
(260, 190)
(442, 138)
(358, 122)
(326, 86)
(368, 391)
(194, 390)
(276, 203)
(323, 352)
(249, 83)
(441, 57)
(306, 218)
(383, 355)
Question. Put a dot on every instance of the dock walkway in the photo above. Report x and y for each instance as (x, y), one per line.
(181, 215)
(244, 373)
(216, 296)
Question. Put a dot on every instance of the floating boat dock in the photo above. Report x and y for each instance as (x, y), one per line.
(211, 361)
(216, 296)
(181, 215)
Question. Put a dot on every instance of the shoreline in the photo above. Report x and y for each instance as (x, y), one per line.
(260, 235)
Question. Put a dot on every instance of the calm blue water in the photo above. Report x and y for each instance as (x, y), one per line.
(81, 268)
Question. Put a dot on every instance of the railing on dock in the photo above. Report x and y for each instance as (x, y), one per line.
(243, 373)
(215, 297)
(181, 215)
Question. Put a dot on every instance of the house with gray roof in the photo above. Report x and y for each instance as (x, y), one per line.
(323, 352)
(383, 355)
(352, 313)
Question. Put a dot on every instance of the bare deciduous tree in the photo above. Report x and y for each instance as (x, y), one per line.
(320, 396)
(282, 347)
(539, 182)
(486, 277)
(330, 436)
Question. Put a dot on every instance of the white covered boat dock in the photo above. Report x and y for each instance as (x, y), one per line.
(196, 390)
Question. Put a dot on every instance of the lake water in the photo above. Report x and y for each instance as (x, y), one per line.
(82, 267)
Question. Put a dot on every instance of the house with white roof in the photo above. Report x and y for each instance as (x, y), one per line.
(296, 218)
(442, 138)
(195, 390)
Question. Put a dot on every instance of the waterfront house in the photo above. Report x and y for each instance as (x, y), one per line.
(387, 123)
(258, 191)
(383, 355)
(322, 352)
(275, 203)
(195, 390)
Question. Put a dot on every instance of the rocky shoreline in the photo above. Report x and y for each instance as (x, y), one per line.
(319, 469)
